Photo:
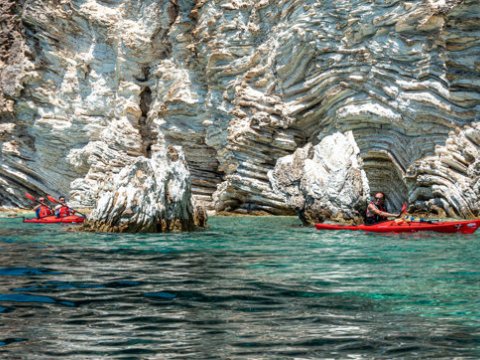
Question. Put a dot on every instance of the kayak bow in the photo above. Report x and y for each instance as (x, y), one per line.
(461, 226)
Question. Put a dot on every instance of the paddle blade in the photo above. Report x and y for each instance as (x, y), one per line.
(404, 209)
(52, 199)
(30, 197)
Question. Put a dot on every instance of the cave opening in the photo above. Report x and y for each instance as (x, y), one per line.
(384, 174)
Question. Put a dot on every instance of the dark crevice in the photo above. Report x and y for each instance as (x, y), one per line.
(145, 101)
(173, 11)
(147, 134)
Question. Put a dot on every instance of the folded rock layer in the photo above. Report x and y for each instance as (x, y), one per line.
(278, 106)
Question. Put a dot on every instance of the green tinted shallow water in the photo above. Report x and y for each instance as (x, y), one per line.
(244, 288)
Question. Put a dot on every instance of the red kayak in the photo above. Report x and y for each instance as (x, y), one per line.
(462, 226)
(72, 219)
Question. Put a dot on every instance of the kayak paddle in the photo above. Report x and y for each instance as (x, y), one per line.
(52, 199)
(32, 198)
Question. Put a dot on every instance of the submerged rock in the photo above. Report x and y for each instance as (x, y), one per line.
(150, 195)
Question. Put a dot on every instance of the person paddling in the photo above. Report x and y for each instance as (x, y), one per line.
(62, 209)
(376, 210)
(42, 209)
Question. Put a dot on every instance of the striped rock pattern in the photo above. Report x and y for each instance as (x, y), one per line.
(250, 90)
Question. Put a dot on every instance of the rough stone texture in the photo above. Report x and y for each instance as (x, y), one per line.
(451, 176)
(15, 143)
(150, 195)
(242, 85)
(325, 181)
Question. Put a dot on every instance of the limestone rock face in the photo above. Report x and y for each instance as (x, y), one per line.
(450, 176)
(325, 181)
(279, 106)
(149, 195)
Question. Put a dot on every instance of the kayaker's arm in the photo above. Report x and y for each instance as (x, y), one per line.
(374, 210)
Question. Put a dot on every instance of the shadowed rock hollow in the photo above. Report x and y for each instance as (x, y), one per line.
(279, 106)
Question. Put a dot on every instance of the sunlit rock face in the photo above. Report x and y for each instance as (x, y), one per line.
(373, 96)
(325, 181)
(149, 195)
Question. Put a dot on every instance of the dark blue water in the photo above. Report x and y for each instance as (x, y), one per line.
(262, 288)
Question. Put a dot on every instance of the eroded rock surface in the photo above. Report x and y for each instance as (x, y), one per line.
(249, 89)
(325, 181)
(150, 195)
(450, 176)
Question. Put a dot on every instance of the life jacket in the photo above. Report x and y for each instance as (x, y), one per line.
(44, 211)
(372, 218)
(64, 211)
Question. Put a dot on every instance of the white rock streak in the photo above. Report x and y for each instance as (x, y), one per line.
(351, 96)
(150, 195)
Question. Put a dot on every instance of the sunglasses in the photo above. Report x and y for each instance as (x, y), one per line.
(378, 198)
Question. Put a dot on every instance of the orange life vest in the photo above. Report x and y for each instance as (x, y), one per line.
(64, 211)
(44, 211)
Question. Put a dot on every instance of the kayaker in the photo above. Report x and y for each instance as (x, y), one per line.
(376, 210)
(42, 209)
(62, 209)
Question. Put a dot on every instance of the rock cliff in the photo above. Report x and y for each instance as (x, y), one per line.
(279, 106)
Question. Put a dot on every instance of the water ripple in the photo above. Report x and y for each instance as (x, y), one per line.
(33, 299)
(9, 341)
(246, 288)
(25, 272)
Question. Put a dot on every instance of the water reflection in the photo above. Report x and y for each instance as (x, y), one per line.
(245, 288)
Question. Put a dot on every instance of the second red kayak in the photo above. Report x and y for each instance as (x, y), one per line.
(462, 226)
(73, 219)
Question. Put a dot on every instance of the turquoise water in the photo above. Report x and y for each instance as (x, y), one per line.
(263, 288)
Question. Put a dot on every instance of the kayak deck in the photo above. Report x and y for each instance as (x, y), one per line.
(462, 226)
(73, 219)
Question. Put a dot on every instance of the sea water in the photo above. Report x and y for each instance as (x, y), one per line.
(245, 288)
